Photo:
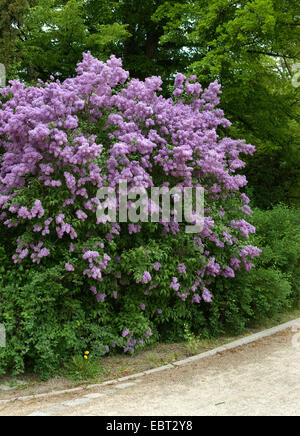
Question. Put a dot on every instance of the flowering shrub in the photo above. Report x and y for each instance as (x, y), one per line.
(61, 142)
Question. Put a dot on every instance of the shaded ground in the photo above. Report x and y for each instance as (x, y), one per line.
(262, 378)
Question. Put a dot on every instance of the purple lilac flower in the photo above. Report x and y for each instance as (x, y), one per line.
(196, 299)
(125, 333)
(181, 268)
(206, 295)
(174, 284)
(157, 266)
(101, 297)
(146, 277)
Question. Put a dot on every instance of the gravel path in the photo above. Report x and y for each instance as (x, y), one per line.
(262, 378)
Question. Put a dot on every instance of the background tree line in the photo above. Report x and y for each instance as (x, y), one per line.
(249, 46)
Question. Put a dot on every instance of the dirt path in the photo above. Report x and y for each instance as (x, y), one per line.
(262, 378)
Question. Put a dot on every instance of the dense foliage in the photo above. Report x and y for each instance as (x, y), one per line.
(63, 141)
(273, 286)
(49, 320)
(69, 282)
(250, 47)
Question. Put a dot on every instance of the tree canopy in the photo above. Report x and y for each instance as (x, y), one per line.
(249, 46)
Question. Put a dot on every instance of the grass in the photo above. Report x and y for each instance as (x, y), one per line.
(79, 371)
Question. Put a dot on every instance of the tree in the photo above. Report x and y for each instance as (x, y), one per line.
(11, 20)
(249, 47)
(56, 32)
(53, 36)
(142, 53)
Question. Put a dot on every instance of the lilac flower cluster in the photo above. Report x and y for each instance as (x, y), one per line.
(96, 266)
(131, 342)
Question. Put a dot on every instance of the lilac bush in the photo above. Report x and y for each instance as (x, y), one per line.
(61, 142)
